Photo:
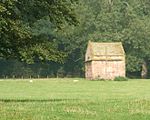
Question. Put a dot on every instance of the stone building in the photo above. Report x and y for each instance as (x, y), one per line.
(104, 60)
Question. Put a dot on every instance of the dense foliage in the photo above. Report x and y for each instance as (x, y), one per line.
(55, 33)
(27, 28)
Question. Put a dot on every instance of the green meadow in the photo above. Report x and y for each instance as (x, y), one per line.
(74, 99)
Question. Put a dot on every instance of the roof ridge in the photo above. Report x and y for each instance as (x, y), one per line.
(106, 42)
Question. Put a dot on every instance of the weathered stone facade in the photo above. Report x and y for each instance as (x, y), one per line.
(104, 61)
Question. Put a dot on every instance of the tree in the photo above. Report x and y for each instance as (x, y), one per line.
(46, 30)
(123, 21)
(19, 22)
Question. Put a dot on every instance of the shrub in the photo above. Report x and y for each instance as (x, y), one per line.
(119, 78)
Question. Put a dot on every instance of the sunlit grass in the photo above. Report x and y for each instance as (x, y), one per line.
(74, 99)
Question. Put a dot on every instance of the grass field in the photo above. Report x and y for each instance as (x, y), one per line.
(66, 99)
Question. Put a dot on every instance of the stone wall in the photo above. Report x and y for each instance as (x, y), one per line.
(107, 69)
(88, 69)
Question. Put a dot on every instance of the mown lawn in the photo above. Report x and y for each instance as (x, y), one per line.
(66, 99)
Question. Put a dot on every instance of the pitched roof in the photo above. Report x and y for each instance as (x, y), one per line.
(103, 51)
(107, 48)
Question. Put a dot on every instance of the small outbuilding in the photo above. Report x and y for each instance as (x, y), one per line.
(104, 60)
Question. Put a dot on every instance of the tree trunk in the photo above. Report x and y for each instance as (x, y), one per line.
(144, 71)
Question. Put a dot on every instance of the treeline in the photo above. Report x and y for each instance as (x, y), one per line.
(17, 69)
(50, 37)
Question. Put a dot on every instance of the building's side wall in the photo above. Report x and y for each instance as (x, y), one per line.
(108, 69)
(88, 70)
(98, 69)
(88, 55)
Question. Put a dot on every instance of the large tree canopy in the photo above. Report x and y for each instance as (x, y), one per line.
(27, 28)
(119, 20)
(45, 30)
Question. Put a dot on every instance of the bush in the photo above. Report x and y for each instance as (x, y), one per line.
(120, 78)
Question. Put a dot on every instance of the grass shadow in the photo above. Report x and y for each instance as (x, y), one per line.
(36, 100)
